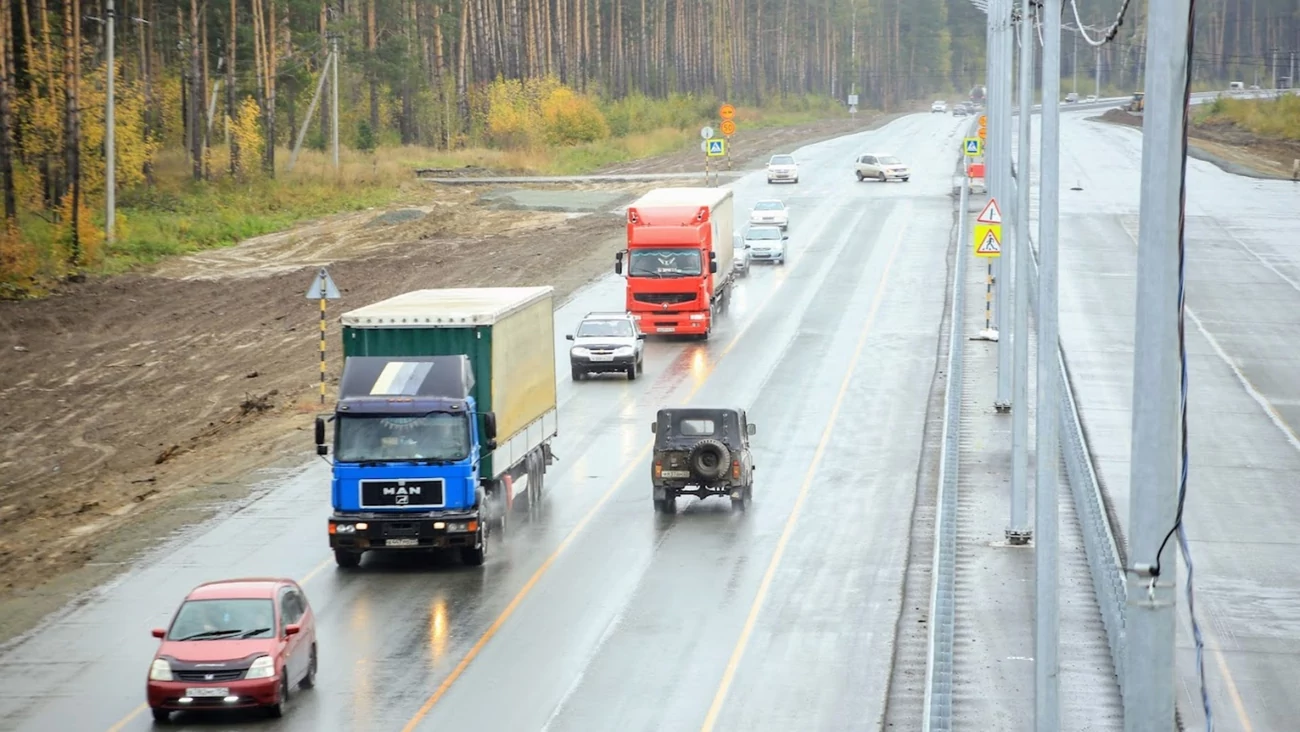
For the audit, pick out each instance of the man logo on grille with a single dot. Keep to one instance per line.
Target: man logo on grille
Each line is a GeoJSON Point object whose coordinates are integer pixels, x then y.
{"type": "Point", "coordinates": [403, 500]}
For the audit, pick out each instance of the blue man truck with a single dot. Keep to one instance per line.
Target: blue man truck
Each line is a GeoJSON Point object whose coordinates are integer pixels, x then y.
{"type": "Point", "coordinates": [444, 420]}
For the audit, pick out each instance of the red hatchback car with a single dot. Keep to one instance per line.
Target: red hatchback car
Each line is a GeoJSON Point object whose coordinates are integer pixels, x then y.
{"type": "Point", "coordinates": [234, 644]}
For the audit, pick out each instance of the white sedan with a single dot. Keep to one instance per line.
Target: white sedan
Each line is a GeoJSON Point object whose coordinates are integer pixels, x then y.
{"type": "Point", "coordinates": [881, 167]}
{"type": "Point", "coordinates": [770, 212]}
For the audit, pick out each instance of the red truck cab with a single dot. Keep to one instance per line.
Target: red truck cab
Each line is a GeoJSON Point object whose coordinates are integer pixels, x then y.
{"type": "Point", "coordinates": [678, 261]}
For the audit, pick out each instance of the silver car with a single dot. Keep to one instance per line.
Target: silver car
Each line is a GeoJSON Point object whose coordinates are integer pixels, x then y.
{"type": "Point", "coordinates": [740, 255]}
{"type": "Point", "coordinates": [607, 343]}
{"type": "Point", "coordinates": [766, 244]}
{"type": "Point", "coordinates": [881, 167]}
{"type": "Point", "coordinates": [770, 212]}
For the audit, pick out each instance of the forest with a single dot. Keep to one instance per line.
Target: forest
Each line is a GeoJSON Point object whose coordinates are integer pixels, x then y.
{"type": "Point", "coordinates": [210, 96]}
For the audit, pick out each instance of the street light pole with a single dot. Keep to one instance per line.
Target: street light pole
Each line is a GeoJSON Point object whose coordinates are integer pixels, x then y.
{"type": "Point", "coordinates": [1047, 665]}
{"type": "Point", "coordinates": [1001, 115]}
{"type": "Point", "coordinates": [1019, 531]}
{"type": "Point", "coordinates": [1149, 702]}
{"type": "Point", "coordinates": [110, 143]}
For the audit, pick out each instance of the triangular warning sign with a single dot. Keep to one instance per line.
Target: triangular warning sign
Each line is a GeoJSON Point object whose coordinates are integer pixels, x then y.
{"type": "Point", "coordinates": [991, 213]}
{"type": "Point", "coordinates": [990, 245]}
{"type": "Point", "coordinates": [323, 287]}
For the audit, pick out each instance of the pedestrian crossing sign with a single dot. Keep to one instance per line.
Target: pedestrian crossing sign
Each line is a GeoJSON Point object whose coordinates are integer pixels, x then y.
{"type": "Point", "coordinates": [717, 148]}
{"type": "Point", "coordinates": [988, 240]}
{"type": "Point", "coordinates": [973, 147]}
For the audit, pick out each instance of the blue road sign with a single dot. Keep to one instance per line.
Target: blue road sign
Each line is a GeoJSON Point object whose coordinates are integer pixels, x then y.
{"type": "Point", "coordinates": [717, 148]}
{"type": "Point", "coordinates": [972, 146]}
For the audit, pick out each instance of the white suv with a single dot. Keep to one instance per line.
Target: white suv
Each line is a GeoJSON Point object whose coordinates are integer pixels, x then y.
{"type": "Point", "coordinates": [881, 167]}
{"type": "Point", "coordinates": [782, 167]}
{"type": "Point", "coordinates": [939, 106]}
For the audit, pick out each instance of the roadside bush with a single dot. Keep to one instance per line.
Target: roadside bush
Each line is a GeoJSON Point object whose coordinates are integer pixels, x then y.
{"type": "Point", "coordinates": [571, 119]}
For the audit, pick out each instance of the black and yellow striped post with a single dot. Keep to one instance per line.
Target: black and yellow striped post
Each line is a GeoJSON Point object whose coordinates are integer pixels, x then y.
{"type": "Point", "coordinates": [322, 288]}
{"type": "Point", "coordinates": [988, 303]}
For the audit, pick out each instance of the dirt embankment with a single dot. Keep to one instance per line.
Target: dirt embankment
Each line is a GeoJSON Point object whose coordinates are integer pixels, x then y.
{"type": "Point", "coordinates": [133, 405]}
{"type": "Point", "coordinates": [1231, 147]}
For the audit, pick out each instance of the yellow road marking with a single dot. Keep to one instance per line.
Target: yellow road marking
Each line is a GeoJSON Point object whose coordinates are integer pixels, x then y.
{"type": "Point", "coordinates": [546, 565]}
{"type": "Point", "coordinates": [743, 641]}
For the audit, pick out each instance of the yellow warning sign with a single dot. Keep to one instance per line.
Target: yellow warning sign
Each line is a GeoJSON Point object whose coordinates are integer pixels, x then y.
{"type": "Point", "coordinates": [988, 240]}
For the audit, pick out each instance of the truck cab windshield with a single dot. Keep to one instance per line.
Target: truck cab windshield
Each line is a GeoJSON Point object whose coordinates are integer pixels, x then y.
{"type": "Point", "coordinates": [438, 436]}
{"type": "Point", "coordinates": [664, 263]}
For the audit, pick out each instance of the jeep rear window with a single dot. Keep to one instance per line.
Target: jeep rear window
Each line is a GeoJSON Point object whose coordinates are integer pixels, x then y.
{"type": "Point", "coordinates": [695, 427]}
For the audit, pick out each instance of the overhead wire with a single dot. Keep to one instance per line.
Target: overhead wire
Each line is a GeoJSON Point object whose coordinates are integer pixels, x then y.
{"type": "Point", "coordinates": [1110, 32]}
{"type": "Point", "coordinates": [1179, 527]}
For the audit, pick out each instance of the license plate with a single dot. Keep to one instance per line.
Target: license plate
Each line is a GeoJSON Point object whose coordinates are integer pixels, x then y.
{"type": "Point", "coordinates": [207, 691]}
{"type": "Point", "coordinates": [676, 473]}
{"type": "Point", "coordinates": [665, 329]}
{"type": "Point", "coordinates": [402, 542]}
{"type": "Point", "coordinates": [602, 358]}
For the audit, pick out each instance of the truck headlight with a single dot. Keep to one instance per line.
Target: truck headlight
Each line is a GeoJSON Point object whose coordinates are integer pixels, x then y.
{"type": "Point", "coordinates": [697, 316]}
{"type": "Point", "coordinates": [345, 529]}
{"type": "Point", "coordinates": [160, 670]}
{"type": "Point", "coordinates": [262, 668]}
{"type": "Point", "coordinates": [623, 351]}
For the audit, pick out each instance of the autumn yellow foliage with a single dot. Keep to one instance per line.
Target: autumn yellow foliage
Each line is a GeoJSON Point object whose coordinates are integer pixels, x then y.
{"type": "Point", "coordinates": [246, 130]}
{"type": "Point", "coordinates": [532, 112]}
{"type": "Point", "coordinates": [19, 262]}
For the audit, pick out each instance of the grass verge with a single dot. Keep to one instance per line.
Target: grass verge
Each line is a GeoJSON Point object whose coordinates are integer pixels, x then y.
{"type": "Point", "coordinates": [1275, 119]}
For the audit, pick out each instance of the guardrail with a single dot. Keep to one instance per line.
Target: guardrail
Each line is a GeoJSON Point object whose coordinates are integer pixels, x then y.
{"type": "Point", "coordinates": [1103, 541]}
{"type": "Point", "coordinates": [937, 709]}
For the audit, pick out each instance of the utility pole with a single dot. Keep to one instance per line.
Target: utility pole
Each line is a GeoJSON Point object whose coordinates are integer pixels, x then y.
{"type": "Point", "coordinates": [334, 97]}
{"type": "Point", "coordinates": [1096, 70]}
{"type": "Point", "coordinates": [1154, 468]}
{"type": "Point", "coordinates": [110, 143]}
{"type": "Point", "coordinates": [1047, 630]}
{"type": "Point", "coordinates": [1019, 531]}
{"type": "Point", "coordinates": [1074, 67]}
{"type": "Point", "coordinates": [1001, 126]}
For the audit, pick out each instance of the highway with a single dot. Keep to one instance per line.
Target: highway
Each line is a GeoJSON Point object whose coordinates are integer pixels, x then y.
{"type": "Point", "coordinates": [1242, 324]}
{"type": "Point", "coordinates": [600, 614]}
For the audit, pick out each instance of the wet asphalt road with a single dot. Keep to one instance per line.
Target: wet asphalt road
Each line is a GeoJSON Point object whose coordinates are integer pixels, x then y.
{"type": "Point", "coordinates": [1242, 327]}
{"type": "Point", "coordinates": [599, 614]}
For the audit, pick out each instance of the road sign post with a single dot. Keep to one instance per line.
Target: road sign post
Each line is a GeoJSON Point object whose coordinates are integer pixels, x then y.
{"type": "Point", "coordinates": [1019, 532]}
{"type": "Point", "coordinates": [987, 242]}
{"type": "Point", "coordinates": [322, 288]}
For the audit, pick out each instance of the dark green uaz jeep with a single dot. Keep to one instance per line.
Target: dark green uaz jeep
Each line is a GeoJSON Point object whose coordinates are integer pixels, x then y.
{"type": "Point", "coordinates": [702, 452]}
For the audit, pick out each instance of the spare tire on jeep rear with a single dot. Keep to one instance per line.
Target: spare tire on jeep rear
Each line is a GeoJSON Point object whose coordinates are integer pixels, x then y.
{"type": "Point", "coordinates": [709, 459]}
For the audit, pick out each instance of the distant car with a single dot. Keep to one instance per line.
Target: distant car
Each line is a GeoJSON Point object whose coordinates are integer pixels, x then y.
{"type": "Point", "coordinates": [881, 167]}
{"type": "Point", "coordinates": [770, 212]}
{"type": "Point", "coordinates": [961, 110]}
{"type": "Point", "coordinates": [702, 452]}
{"type": "Point", "coordinates": [607, 343]}
{"type": "Point", "coordinates": [1090, 98]}
{"type": "Point", "coordinates": [939, 106]}
{"type": "Point", "coordinates": [782, 167]}
{"type": "Point", "coordinates": [740, 256]}
{"type": "Point", "coordinates": [766, 244]}
{"type": "Point", "coordinates": [1071, 98]}
{"type": "Point", "coordinates": [234, 644]}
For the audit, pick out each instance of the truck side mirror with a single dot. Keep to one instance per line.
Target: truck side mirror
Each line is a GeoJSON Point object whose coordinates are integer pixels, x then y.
{"type": "Point", "coordinates": [751, 428]}
{"type": "Point", "coordinates": [490, 425]}
{"type": "Point", "coordinates": [713, 267]}
{"type": "Point", "coordinates": [618, 263]}
{"type": "Point", "coordinates": [321, 448]}
{"type": "Point", "coordinates": [568, 337]}
{"type": "Point", "coordinates": [654, 428]}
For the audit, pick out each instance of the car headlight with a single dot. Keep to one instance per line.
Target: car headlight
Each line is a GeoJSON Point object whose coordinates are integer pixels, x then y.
{"type": "Point", "coordinates": [623, 351]}
{"type": "Point", "coordinates": [262, 668]}
{"type": "Point", "coordinates": [160, 670]}
{"type": "Point", "coordinates": [576, 351]}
